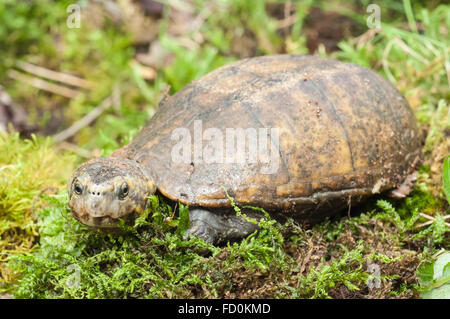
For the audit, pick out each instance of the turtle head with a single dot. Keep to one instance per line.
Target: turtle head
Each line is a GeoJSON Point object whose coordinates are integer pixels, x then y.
{"type": "Point", "coordinates": [106, 189]}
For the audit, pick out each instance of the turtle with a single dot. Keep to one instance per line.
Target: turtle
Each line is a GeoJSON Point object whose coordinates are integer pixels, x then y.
{"type": "Point", "coordinates": [298, 136]}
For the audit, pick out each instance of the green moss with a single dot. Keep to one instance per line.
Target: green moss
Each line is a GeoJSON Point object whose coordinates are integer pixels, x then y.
{"type": "Point", "coordinates": [152, 261]}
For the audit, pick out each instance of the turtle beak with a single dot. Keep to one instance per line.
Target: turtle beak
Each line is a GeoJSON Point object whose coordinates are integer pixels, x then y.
{"type": "Point", "coordinates": [104, 222]}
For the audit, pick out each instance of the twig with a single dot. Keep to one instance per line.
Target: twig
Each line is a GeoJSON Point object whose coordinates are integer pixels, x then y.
{"type": "Point", "coordinates": [447, 65]}
{"type": "Point", "coordinates": [86, 120]}
{"type": "Point", "coordinates": [43, 85]}
{"type": "Point", "coordinates": [56, 76]}
{"type": "Point", "coordinates": [431, 217]}
{"type": "Point", "coordinates": [431, 67]}
{"type": "Point", "coordinates": [305, 260]}
{"type": "Point", "coordinates": [410, 51]}
{"type": "Point", "coordinates": [116, 97]}
{"type": "Point", "coordinates": [147, 72]}
{"type": "Point", "coordinates": [366, 37]}
{"type": "Point", "coordinates": [112, 9]}
{"type": "Point", "coordinates": [349, 203]}
{"type": "Point", "coordinates": [188, 43]}
{"type": "Point", "coordinates": [385, 61]}
{"type": "Point", "coordinates": [165, 96]}
{"type": "Point", "coordinates": [36, 198]}
{"type": "Point", "coordinates": [178, 5]}
{"type": "Point", "coordinates": [431, 220]}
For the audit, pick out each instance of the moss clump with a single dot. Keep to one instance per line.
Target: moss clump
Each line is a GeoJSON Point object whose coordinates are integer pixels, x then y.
{"type": "Point", "coordinates": [151, 261]}
{"type": "Point", "coordinates": [27, 168]}
{"type": "Point", "coordinates": [333, 259]}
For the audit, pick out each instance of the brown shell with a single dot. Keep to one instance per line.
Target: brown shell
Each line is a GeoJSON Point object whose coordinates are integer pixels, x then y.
{"type": "Point", "coordinates": [344, 131]}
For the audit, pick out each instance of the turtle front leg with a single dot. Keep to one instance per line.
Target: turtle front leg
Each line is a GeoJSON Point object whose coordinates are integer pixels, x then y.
{"type": "Point", "coordinates": [216, 228]}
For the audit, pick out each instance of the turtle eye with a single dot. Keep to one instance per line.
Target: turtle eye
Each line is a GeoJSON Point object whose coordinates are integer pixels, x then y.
{"type": "Point", "coordinates": [124, 190]}
{"type": "Point", "coordinates": [77, 188]}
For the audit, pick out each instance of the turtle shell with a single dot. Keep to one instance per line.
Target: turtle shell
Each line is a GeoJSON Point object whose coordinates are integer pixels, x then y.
{"type": "Point", "coordinates": [343, 132]}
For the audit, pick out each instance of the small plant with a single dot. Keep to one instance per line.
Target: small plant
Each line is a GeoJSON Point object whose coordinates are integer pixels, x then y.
{"type": "Point", "coordinates": [435, 273]}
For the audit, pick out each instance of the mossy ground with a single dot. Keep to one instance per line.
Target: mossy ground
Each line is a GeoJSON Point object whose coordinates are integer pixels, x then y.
{"type": "Point", "coordinates": [45, 253]}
